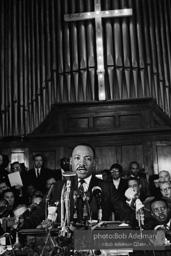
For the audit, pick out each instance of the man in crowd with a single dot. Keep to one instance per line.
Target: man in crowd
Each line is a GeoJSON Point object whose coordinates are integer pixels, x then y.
{"type": "Point", "coordinates": [8, 195]}
{"type": "Point", "coordinates": [83, 164]}
{"type": "Point", "coordinates": [4, 161]}
{"type": "Point", "coordinates": [136, 186]}
{"type": "Point", "coordinates": [106, 175]}
{"type": "Point", "coordinates": [64, 164]}
{"type": "Point", "coordinates": [165, 189]}
{"type": "Point", "coordinates": [134, 169]}
{"type": "Point", "coordinates": [164, 176]}
{"type": "Point", "coordinates": [4, 184]}
{"type": "Point", "coordinates": [37, 176]}
{"type": "Point", "coordinates": [49, 182]}
{"type": "Point", "coordinates": [160, 215]}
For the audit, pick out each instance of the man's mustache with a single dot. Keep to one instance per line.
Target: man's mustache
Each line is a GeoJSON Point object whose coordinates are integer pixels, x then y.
{"type": "Point", "coordinates": [82, 167]}
{"type": "Point", "coordinates": [162, 216]}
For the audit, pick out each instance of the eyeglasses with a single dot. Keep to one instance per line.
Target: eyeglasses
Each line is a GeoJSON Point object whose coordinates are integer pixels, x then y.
{"type": "Point", "coordinates": [133, 186]}
{"type": "Point", "coordinates": [166, 190]}
{"type": "Point", "coordinates": [16, 168]}
{"type": "Point", "coordinates": [114, 171]}
{"type": "Point", "coordinates": [160, 209]}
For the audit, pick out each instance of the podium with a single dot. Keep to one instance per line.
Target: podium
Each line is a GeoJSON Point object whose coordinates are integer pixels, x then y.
{"type": "Point", "coordinates": [107, 226]}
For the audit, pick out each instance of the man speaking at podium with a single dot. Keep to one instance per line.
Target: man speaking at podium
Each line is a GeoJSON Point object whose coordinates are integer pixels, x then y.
{"type": "Point", "coordinates": [83, 164]}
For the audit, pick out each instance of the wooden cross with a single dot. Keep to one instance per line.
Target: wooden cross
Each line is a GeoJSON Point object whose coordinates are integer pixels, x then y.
{"type": "Point", "coordinates": [98, 15]}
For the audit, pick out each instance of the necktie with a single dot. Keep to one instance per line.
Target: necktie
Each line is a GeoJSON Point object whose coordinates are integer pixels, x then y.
{"type": "Point", "coordinates": [81, 187]}
{"type": "Point", "coordinates": [37, 173]}
{"type": "Point", "coordinates": [80, 202]}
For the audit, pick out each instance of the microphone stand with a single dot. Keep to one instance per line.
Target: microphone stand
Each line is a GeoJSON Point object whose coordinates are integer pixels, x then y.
{"type": "Point", "coordinates": [86, 208]}
{"type": "Point", "coordinates": [48, 199]}
{"type": "Point", "coordinates": [48, 233]}
{"type": "Point", "coordinates": [9, 236]}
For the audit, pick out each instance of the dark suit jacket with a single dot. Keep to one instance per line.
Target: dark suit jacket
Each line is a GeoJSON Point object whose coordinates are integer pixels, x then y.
{"type": "Point", "coordinates": [111, 200]}
{"type": "Point", "coordinates": [38, 182]}
{"type": "Point", "coordinates": [57, 174]}
{"type": "Point", "coordinates": [123, 185]}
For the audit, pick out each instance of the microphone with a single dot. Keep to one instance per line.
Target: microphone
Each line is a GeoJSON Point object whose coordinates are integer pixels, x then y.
{"type": "Point", "coordinates": [49, 192]}
{"type": "Point", "coordinates": [47, 199]}
{"type": "Point", "coordinates": [3, 210]}
{"type": "Point", "coordinates": [67, 201]}
{"type": "Point", "coordinates": [75, 214]}
{"type": "Point", "coordinates": [97, 192]}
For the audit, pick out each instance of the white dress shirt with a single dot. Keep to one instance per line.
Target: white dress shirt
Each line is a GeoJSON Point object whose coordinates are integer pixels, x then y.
{"type": "Point", "coordinates": [116, 183]}
{"type": "Point", "coordinates": [86, 183]}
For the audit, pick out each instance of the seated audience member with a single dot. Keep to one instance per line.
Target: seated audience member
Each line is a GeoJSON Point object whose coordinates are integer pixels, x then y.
{"type": "Point", "coordinates": [106, 175]}
{"type": "Point", "coordinates": [3, 165]}
{"type": "Point", "coordinates": [134, 183]}
{"type": "Point", "coordinates": [8, 195]}
{"type": "Point", "coordinates": [134, 169]}
{"type": "Point", "coordinates": [125, 174]}
{"type": "Point", "coordinates": [37, 199]}
{"type": "Point", "coordinates": [120, 184]}
{"type": "Point", "coordinates": [20, 190]}
{"type": "Point", "coordinates": [5, 213]}
{"type": "Point", "coordinates": [18, 212]}
{"type": "Point", "coordinates": [3, 185]}
{"type": "Point", "coordinates": [4, 208]}
{"type": "Point", "coordinates": [154, 185]}
{"type": "Point", "coordinates": [17, 167]}
{"type": "Point", "coordinates": [164, 176]}
{"type": "Point", "coordinates": [83, 164]}
{"type": "Point", "coordinates": [160, 215]}
{"type": "Point", "coordinates": [49, 182]}
{"type": "Point", "coordinates": [30, 190]}
{"type": "Point", "coordinates": [165, 189]}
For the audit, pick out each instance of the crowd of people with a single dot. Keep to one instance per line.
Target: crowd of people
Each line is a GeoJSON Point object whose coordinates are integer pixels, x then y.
{"type": "Point", "coordinates": [22, 189]}
{"type": "Point", "coordinates": [108, 194]}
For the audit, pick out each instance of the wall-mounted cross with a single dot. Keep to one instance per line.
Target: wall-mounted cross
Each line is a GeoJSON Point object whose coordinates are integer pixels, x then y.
{"type": "Point", "coordinates": [98, 15]}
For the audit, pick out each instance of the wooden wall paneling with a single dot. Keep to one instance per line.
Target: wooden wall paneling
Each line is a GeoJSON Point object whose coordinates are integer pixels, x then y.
{"type": "Point", "coordinates": [162, 153]}
{"type": "Point", "coordinates": [62, 151]}
{"type": "Point", "coordinates": [105, 157]}
{"type": "Point", "coordinates": [148, 158]}
{"type": "Point", "coordinates": [132, 153]}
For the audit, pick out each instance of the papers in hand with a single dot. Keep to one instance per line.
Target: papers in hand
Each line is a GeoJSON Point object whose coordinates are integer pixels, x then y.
{"type": "Point", "coordinates": [130, 193]}
{"type": "Point", "coordinates": [138, 205]}
{"type": "Point", "coordinates": [15, 179]}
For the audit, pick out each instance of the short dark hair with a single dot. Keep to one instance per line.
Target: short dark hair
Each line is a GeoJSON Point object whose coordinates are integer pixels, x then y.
{"type": "Point", "coordinates": [7, 191]}
{"type": "Point", "coordinates": [5, 180]}
{"type": "Point", "coordinates": [107, 172]}
{"type": "Point", "coordinates": [134, 178]}
{"type": "Point", "coordinates": [86, 145]}
{"type": "Point", "coordinates": [64, 159]}
{"type": "Point", "coordinates": [156, 199]}
{"type": "Point", "coordinates": [16, 162]}
{"type": "Point", "coordinates": [134, 162]}
{"type": "Point", "coordinates": [37, 155]}
{"type": "Point", "coordinates": [117, 166]}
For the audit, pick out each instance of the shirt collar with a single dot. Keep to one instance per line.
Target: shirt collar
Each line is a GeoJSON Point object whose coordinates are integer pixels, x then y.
{"type": "Point", "coordinates": [168, 224]}
{"type": "Point", "coordinates": [87, 180]}
{"type": "Point", "coordinates": [116, 181]}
